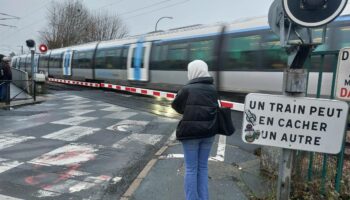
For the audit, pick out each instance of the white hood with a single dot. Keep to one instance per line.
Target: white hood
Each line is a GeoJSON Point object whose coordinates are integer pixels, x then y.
{"type": "Point", "coordinates": [197, 69]}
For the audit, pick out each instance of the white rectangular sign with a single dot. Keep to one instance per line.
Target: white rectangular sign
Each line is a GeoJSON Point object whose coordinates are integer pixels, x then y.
{"type": "Point", "coordinates": [294, 123]}
{"type": "Point", "coordinates": [343, 75]}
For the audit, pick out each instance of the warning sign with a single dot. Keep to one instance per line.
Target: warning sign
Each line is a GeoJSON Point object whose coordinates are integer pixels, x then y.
{"type": "Point", "coordinates": [343, 75]}
{"type": "Point", "coordinates": [294, 123]}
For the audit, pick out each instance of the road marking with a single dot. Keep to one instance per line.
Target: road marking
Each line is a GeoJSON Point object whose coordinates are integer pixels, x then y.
{"type": "Point", "coordinates": [72, 133]}
{"type": "Point", "coordinates": [88, 183]}
{"type": "Point", "coordinates": [77, 102]}
{"type": "Point", "coordinates": [220, 153]}
{"type": "Point", "coordinates": [45, 193]}
{"type": "Point", "coordinates": [121, 115]}
{"type": "Point", "coordinates": [4, 197]}
{"type": "Point", "coordinates": [114, 109]}
{"type": "Point", "coordinates": [125, 124]}
{"type": "Point", "coordinates": [169, 156]}
{"type": "Point", "coordinates": [79, 112]}
{"type": "Point", "coordinates": [147, 139]}
{"type": "Point", "coordinates": [27, 118]}
{"type": "Point", "coordinates": [72, 107]}
{"type": "Point", "coordinates": [9, 139]}
{"type": "Point", "coordinates": [74, 121]}
{"type": "Point", "coordinates": [67, 155]}
{"type": "Point", "coordinates": [6, 164]}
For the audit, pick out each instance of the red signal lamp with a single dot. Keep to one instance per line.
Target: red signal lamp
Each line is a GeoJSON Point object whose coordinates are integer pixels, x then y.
{"type": "Point", "coordinates": [43, 48]}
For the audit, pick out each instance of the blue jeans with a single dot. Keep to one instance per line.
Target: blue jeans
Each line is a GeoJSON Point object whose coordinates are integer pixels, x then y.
{"type": "Point", "coordinates": [196, 153]}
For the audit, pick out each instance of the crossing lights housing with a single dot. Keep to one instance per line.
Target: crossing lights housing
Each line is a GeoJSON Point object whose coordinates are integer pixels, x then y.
{"type": "Point", "coordinates": [30, 43]}
{"type": "Point", "coordinates": [313, 13]}
{"type": "Point", "coordinates": [294, 20]}
{"type": "Point", "coordinates": [43, 48]}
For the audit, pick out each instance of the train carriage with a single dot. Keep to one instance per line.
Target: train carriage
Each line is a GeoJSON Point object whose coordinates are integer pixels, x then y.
{"type": "Point", "coordinates": [251, 58]}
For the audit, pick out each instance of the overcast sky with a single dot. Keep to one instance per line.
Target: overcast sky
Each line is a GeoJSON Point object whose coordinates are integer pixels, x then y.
{"type": "Point", "coordinates": [139, 15]}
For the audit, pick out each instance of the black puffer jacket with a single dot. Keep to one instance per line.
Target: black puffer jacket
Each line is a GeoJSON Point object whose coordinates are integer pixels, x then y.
{"type": "Point", "coordinates": [198, 102]}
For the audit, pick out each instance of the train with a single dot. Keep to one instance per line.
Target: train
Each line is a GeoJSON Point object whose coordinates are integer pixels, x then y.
{"type": "Point", "coordinates": [251, 59]}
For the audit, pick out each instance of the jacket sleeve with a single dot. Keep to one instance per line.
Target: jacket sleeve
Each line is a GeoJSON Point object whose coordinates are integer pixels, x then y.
{"type": "Point", "coordinates": [180, 100]}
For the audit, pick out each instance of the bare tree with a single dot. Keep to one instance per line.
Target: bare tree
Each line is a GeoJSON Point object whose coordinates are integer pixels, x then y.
{"type": "Point", "coordinates": [71, 23]}
{"type": "Point", "coordinates": [104, 26]}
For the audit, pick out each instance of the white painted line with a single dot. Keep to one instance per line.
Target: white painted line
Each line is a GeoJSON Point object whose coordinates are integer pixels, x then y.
{"type": "Point", "coordinates": [4, 197]}
{"type": "Point", "coordinates": [120, 115]}
{"type": "Point", "coordinates": [169, 156]}
{"type": "Point", "coordinates": [89, 182]}
{"type": "Point", "coordinates": [72, 107]}
{"type": "Point", "coordinates": [74, 121]}
{"type": "Point", "coordinates": [123, 125]}
{"type": "Point", "coordinates": [116, 180]}
{"type": "Point", "coordinates": [146, 139]}
{"type": "Point", "coordinates": [9, 139]}
{"type": "Point", "coordinates": [77, 102]}
{"type": "Point", "coordinates": [7, 165]}
{"type": "Point", "coordinates": [79, 112]}
{"type": "Point", "coordinates": [71, 186]}
{"type": "Point", "coordinates": [27, 118]}
{"type": "Point", "coordinates": [67, 155]}
{"type": "Point", "coordinates": [45, 193]}
{"type": "Point", "coordinates": [114, 109]}
{"type": "Point", "coordinates": [49, 104]}
{"type": "Point", "coordinates": [72, 133]}
{"type": "Point", "coordinates": [220, 154]}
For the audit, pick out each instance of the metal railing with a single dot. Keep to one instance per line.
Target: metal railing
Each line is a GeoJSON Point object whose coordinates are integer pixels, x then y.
{"type": "Point", "coordinates": [20, 79]}
{"type": "Point", "coordinates": [324, 172]}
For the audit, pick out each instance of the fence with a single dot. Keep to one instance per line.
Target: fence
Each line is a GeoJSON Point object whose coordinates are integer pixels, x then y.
{"type": "Point", "coordinates": [323, 172]}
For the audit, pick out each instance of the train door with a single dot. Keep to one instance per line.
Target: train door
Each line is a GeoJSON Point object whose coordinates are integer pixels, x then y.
{"type": "Point", "coordinates": [67, 63]}
{"type": "Point", "coordinates": [138, 61]}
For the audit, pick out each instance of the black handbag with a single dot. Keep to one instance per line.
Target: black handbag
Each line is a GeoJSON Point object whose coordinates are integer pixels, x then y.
{"type": "Point", "coordinates": [225, 126]}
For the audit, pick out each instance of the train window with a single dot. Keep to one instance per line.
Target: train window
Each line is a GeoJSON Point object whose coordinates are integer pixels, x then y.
{"type": "Point", "coordinates": [177, 58]}
{"type": "Point", "coordinates": [124, 57]}
{"type": "Point", "coordinates": [342, 38]}
{"type": "Point", "coordinates": [43, 62]}
{"type": "Point", "coordinates": [54, 61]}
{"type": "Point", "coordinates": [100, 59]}
{"type": "Point", "coordinates": [22, 63]}
{"type": "Point", "coordinates": [272, 56]}
{"type": "Point", "coordinates": [242, 53]}
{"type": "Point", "coordinates": [28, 63]}
{"type": "Point", "coordinates": [158, 56]}
{"type": "Point", "coordinates": [84, 59]}
{"type": "Point", "coordinates": [109, 58]}
{"type": "Point", "coordinates": [202, 50]}
{"type": "Point", "coordinates": [113, 58]}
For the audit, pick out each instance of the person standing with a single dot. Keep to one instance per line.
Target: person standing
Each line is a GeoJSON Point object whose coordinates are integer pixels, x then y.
{"type": "Point", "coordinates": [197, 101]}
{"type": "Point", "coordinates": [2, 78]}
{"type": "Point", "coordinates": [7, 78]}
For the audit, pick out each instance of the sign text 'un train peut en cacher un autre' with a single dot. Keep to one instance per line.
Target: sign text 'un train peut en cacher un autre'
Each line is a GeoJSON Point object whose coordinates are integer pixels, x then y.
{"type": "Point", "coordinates": [294, 122]}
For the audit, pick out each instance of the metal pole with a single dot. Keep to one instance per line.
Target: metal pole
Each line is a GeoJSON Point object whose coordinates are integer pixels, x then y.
{"type": "Point", "coordinates": [294, 85]}
{"type": "Point", "coordinates": [155, 29]}
{"type": "Point", "coordinates": [32, 51]}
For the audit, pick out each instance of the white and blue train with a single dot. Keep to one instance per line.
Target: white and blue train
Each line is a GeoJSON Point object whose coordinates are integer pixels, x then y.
{"type": "Point", "coordinates": [251, 58]}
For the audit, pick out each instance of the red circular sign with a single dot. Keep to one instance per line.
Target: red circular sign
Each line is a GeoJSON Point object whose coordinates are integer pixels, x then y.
{"type": "Point", "coordinates": [42, 48]}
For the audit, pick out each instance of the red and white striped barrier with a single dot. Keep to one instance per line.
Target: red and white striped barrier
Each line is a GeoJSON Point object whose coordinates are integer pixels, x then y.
{"type": "Point", "coordinates": [142, 91]}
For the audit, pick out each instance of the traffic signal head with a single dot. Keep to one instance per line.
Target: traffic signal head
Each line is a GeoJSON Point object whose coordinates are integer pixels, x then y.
{"type": "Point", "coordinates": [313, 13]}
{"type": "Point", "coordinates": [43, 48]}
{"type": "Point", "coordinates": [30, 43]}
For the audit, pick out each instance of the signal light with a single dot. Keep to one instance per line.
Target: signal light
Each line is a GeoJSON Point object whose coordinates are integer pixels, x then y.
{"type": "Point", "coordinates": [43, 48]}
{"type": "Point", "coordinates": [30, 43]}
